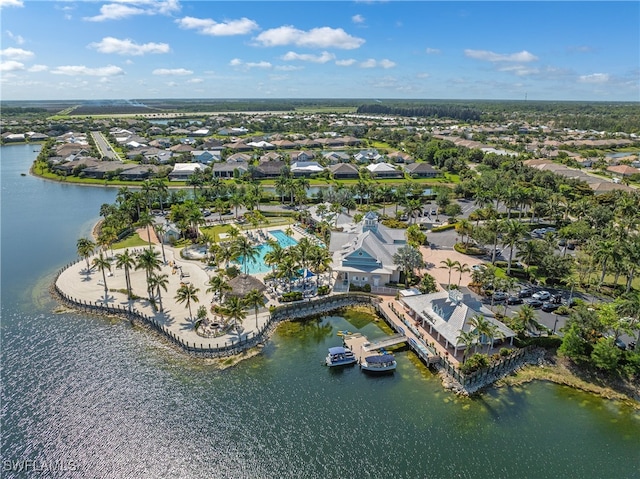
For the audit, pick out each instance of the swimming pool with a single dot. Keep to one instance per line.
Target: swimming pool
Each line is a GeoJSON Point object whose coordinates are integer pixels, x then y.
{"type": "Point", "coordinates": [258, 266]}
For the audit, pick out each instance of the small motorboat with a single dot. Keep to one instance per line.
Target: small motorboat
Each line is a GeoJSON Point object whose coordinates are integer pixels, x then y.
{"type": "Point", "coordinates": [340, 356]}
{"type": "Point", "coordinates": [379, 363]}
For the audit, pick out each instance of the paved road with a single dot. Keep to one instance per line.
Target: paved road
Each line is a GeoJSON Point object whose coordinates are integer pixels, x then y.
{"type": "Point", "coordinates": [103, 145]}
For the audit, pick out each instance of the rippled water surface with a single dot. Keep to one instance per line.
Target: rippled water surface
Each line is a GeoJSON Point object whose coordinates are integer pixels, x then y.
{"type": "Point", "coordinates": [113, 401]}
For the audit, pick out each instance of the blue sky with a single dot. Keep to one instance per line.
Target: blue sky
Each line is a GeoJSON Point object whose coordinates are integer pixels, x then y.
{"type": "Point", "coordinates": [303, 49]}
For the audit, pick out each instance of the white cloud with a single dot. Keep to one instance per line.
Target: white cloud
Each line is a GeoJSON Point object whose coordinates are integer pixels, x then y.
{"type": "Point", "coordinates": [323, 37]}
{"type": "Point", "coordinates": [11, 3]}
{"type": "Point", "coordinates": [127, 8]}
{"type": "Point", "coordinates": [519, 70]}
{"type": "Point", "coordinates": [485, 55]}
{"type": "Point", "coordinates": [423, 75]}
{"type": "Point", "coordinates": [195, 80]}
{"type": "Point", "coordinates": [385, 63]}
{"type": "Point", "coordinates": [345, 63]}
{"type": "Point", "coordinates": [110, 70]}
{"type": "Point", "coordinates": [16, 38]}
{"type": "Point", "coordinates": [237, 63]}
{"type": "Point", "coordinates": [38, 68]}
{"type": "Point", "coordinates": [357, 19]}
{"type": "Point", "coordinates": [594, 78]}
{"type": "Point", "coordinates": [433, 51]}
{"type": "Point", "coordinates": [128, 47]}
{"type": "Point", "coordinates": [172, 71]}
{"type": "Point", "coordinates": [288, 68]}
{"type": "Point", "coordinates": [207, 26]}
{"type": "Point", "coordinates": [371, 63]}
{"type": "Point", "coordinates": [16, 53]}
{"type": "Point", "coordinates": [324, 57]}
{"type": "Point", "coordinates": [11, 66]}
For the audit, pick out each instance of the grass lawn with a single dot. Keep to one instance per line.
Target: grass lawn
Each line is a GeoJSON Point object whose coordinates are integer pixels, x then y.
{"type": "Point", "coordinates": [131, 241]}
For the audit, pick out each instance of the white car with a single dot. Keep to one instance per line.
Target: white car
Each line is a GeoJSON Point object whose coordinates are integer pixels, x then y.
{"type": "Point", "coordinates": [542, 295]}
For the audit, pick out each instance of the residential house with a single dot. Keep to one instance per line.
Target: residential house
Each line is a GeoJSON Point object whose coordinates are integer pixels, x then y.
{"type": "Point", "coordinates": [306, 168]}
{"type": "Point", "coordinates": [364, 253]}
{"type": "Point", "coordinates": [139, 172]}
{"type": "Point", "coordinates": [384, 170]}
{"type": "Point", "coordinates": [421, 170]}
{"type": "Point", "coordinates": [230, 169]}
{"type": "Point", "coordinates": [206, 157]}
{"type": "Point", "coordinates": [400, 157]}
{"type": "Point", "coordinates": [623, 171]}
{"type": "Point", "coordinates": [368, 156]}
{"type": "Point", "coordinates": [269, 169]}
{"type": "Point", "coordinates": [182, 171]}
{"type": "Point", "coordinates": [297, 156]}
{"type": "Point", "coordinates": [334, 157]}
{"type": "Point", "coordinates": [344, 171]}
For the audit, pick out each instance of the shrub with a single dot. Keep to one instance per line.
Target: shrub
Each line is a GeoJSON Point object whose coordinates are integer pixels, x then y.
{"type": "Point", "coordinates": [292, 296]}
{"type": "Point", "coordinates": [354, 287]}
{"type": "Point", "coordinates": [547, 342]}
{"type": "Point", "coordinates": [323, 290]}
{"type": "Point", "coordinates": [506, 351]}
{"type": "Point", "coordinates": [443, 228]}
{"type": "Point", "coordinates": [474, 363]}
{"type": "Point", "coordinates": [563, 310]}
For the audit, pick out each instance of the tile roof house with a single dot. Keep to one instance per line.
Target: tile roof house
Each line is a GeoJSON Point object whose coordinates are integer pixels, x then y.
{"type": "Point", "coordinates": [448, 313]}
{"type": "Point", "coordinates": [364, 253]}
{"type": "Point", "coordinates": [269, 169]}
{"type": "Point", "coordinates": [306, 168]}
{"type": "Point", "coordinates": [368, 156]}
{"type": "Point", "coordinates": [623, 170]}
{"type": "Point", "coordinates": [421, 170]}
{"type": "Point", "coordinates": [182, 171]}
{"type": "Point", "coordinates": [384, 170]}
{"type": "Point", "coordinates": [336, 157]}
{"type": "Point", "coordinates": [344, 171]}
{"type": "Point", "coordinates": [206, 157]}
{"type": "Point", "coordinates": [229, 169]}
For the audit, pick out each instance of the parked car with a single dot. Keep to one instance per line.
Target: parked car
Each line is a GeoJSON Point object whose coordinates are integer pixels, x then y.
{"type": "Point", "coordinates": [479, 267]}
{"type": "Point", "coordinates": [556, 298]}
{"type": "Point", "coordinates": [534, 303]}
{"type": "Point", "coordinates": [571, 246]}
{"type": "Point", "coordinates": [514, 300]}
{"type": "Point", "coordinates": [620, 344]}
{"type": "Point", "coordinates": [632, 345]}
{"type": "Point", "coordinates": [541, 295]}
{"type": "Point", "coordinates": [525, 293]}
{"type": "Point", "coordinates": [500, 296]}
{"type": "Point", "coordinates": [549, 307]}
{"type": "Point", "coordinates": [562, 242]}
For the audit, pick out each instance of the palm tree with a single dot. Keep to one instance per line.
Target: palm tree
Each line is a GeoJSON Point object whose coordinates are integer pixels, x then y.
{"type": "Point", "coordinates": [320, 261]}
{"type": "Point", "coordinates": [513, 233]}
{"type": "Point", "coordinates": [85, 248]}
{"type": "Point", "coordinates": [102, 263]}
{"type": "Point", "coordinates": [146, 220]}
{"type": "Point", "coordinates": [288, 268]}
{"type": "Point", "coordinates": [274, 257]}
{"type": "Point", "coordinates": [409, 259]}
{"type": "Point", "coordinates": [158, 282]}
{"type": "Point", "coordinates": [149, 261]}
{"type": "Point", "coordinates": [493, 332]}
{"type": "Point", "coordinates": [481, 327]}
{"type": "Point", "coordinates": [242, 248]}
{"type": "Point", "coordinates": [463, 228]}
{"type": "Point", "coordinates": [450, 265]}
{"type": "Point", "coordinates": [187, 293]}
{"type": "Point", "coordinates": [218, 285]}
{"type": "Point", "coordinates": [526, 318]}
{"type": "Point", "coordinates": [467, 338]}
{"type": "Point", "coordinates": [107, 237]}
{"type": "Point", "coordinates": [160, 231]}
{"type": "Point", "coordinates": [461, 268]}
{"type": "Point", "coordinates": [254, 299]}
{"type": "Point", "coordinates": [161, 191]}
{"type": "Point", "coordinates": [126, 261]}
{"type": "Point", "coordinates": [604, 250]}
{"type": "Point", "coordinates": [233, 309]}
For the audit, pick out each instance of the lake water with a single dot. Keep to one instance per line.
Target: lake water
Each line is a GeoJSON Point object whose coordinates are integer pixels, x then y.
{"type": "Point", "coordinates": [103, 399]}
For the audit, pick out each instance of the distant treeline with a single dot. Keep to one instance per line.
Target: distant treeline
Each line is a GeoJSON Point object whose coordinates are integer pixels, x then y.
{"type": "Point", "coordinates": [456, 112]}
{"type": "Point", "coordinates": [18, 111]}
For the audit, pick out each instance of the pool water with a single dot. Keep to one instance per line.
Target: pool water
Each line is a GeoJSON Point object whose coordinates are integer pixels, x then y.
{"type": "Point", "coordinates": [258, 265]}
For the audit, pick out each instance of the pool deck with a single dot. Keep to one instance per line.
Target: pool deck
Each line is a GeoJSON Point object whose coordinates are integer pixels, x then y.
{"type": "Point", "coordinates": [80, 284]}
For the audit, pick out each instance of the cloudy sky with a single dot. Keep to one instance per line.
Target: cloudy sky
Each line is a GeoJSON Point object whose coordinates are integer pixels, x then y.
{"type": "Point", "coordinates": [136, 49]}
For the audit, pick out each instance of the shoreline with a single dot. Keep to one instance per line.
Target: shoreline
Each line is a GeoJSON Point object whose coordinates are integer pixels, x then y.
{"type": "Point", "coordinates": [557, 370]}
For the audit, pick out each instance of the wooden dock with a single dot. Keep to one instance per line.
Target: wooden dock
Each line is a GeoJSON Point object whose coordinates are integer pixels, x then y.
{"type": "Point", "coordinates": [362, 347]}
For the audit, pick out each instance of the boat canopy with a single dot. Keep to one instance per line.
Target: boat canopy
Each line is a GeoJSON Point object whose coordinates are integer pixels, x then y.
{"type": "Point", "coordinates": [379, 359]}
{"type": "Point", "coordinates": [337, 350]}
